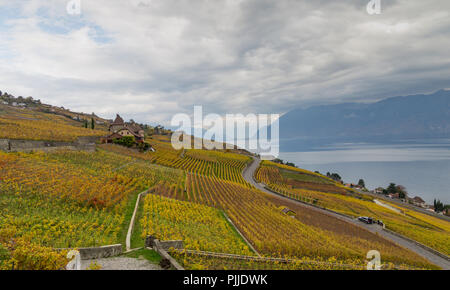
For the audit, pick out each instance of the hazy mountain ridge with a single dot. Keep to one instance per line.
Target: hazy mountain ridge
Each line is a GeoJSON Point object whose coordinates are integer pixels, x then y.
{"type": "Point", "coordinates": [406, 117]}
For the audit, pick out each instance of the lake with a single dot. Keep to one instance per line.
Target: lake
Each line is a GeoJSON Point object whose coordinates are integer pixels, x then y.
{"type": "Point", "coordinates": [422, 167]}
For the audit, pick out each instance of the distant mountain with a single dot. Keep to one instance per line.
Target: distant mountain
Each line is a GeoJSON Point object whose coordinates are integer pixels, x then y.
{"type": "Point", "coordinates": [392, 119]}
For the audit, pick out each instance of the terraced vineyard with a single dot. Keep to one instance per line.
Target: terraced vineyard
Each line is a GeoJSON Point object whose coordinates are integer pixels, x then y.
{"type": "Point", "coordinates": [79, 199]}
{"type": "Point", "coordinates": [198, 262]}
{"type": "Point", "coordinates": [226, 166]}
{"type": "Point", "coordinates": [72, 199]}
{"type": "Point", "coordinates": [426, 229]}
{"type": "Point", "coordinates": [199, 227]}
{"type": "Point", "coordinates": [30, 125]}
{"type": "Point", "coordinates": [276, 234]}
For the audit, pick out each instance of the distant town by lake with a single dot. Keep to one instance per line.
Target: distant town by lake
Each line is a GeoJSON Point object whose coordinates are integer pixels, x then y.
{"type": "Point", "coordinates": [422, 166]}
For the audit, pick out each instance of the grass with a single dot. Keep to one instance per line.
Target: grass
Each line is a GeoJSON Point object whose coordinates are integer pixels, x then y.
{"type": "Point", "coordinates": [149, 255]}
{"type": "Point", "coordinates": [303, 177]}
{"type": "Point", "coordinates": [128, 214]}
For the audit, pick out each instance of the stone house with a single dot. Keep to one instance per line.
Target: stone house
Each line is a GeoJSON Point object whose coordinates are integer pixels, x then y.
{"type": "Point", "coordinates": [119, 129]}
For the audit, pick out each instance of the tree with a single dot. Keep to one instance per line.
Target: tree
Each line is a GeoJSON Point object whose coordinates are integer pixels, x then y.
{"type": "Point", "coordinates": [335, 176]}
{"type": "Point", "coordinates": [362, 183]}
{"type": "Point", "coordinates": [92, 123]}
{"type": "Point", "coordinates": [438, 206]}
{"type": "Point", "coordinates": [392, 188]}
{"type": "Point", "coordinates": [85, 124]}
{"type": "Point", "coordinates": [401, 190]}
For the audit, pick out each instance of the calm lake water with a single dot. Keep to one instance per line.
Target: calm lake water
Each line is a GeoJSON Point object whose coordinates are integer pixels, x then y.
{"type": "Point", "coordinates": [423, 168]}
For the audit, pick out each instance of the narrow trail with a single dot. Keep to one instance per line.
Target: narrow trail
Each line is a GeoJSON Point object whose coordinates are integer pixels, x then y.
{"type": "Point", "coordinates": [434, 258]}
{"type": "Point", "coordinates": [133, 220]}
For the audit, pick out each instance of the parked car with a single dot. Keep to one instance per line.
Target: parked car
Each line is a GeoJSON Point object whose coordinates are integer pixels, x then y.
{"type": "Point", "coordinates": [366, 220]}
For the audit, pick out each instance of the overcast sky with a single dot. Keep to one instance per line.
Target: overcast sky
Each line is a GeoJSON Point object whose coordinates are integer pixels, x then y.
{"type": "Point", "coordinates": [150, 59]}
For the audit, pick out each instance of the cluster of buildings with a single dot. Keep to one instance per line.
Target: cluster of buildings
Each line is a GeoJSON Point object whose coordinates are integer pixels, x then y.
{"type": "Point", "coordinates": [416, 201]}
{"type": "Point", "coordinates": [119, 129]}
{"type": "Point", "coordinates": [354, 186]}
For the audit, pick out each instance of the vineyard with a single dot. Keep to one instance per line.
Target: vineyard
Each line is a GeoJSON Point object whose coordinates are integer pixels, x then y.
{"type": "Point", "coordinates": [199, 227]}
{"type": "Point", "coordinates": [201, 262]}
{"type": "Point", "coordinates": [72, 199]}
{"type": "Point", "coordinates": [226, 166]}
{"type": "Point", "coordinates": [30, 125]}
{"type": "Point", "coordinates": [426, 229]}
{"type": "Point", "coordinates": [279, 178]}
{"type": "Point", "coordinates": [78, 199]}
{"type": "Point", "coordinates": [276, 234]}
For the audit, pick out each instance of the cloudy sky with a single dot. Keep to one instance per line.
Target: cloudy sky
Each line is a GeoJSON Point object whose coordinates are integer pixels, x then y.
{"type": "Point", "coordinates": [150, 59]}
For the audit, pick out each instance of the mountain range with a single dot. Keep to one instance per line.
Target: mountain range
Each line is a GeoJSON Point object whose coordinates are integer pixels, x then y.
{"type": "Point", "coordinates": [390, 120]}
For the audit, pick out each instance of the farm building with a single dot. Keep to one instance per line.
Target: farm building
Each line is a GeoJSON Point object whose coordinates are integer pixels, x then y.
{"type": "Point", "coordinates": [119, 129]}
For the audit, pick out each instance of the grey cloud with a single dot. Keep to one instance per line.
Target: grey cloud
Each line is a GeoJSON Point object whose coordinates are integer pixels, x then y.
{"type": "Point", "coordinates": [262, 56]}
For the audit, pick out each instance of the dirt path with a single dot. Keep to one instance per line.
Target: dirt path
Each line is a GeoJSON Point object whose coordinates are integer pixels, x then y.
{"type": "Point", "coordinates": [249, 172]}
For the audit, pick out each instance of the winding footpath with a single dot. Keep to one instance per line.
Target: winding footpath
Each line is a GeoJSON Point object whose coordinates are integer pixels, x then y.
{"type": "Point", "coordinates": [434, 258]}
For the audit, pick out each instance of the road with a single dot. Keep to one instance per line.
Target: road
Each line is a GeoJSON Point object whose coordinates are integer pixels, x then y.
{"type": "Point", "coordinates": [430, 256]}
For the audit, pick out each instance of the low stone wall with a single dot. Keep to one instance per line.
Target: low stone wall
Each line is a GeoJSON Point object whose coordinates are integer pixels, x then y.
{"type": "Point", "coordinates": [160, 249]}
{"type": "Point", "coordinates": [99, 252]}
{"type": "Point", "coordinates": [81, 144]}
{"type": "Point", "coordinates": [166, 245]}
{"type": "Point", "coordinates": [4, 145]}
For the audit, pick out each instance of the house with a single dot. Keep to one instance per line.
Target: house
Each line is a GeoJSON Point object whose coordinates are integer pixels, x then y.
{"type": "Point", "coordinates": [378, 190]}
{"type": "Point", "coordinates": [418, 201]}
{"type": "Point", "coordinates": [394, 195]}
{"type": "Point", "coordinates": [119, 129]}
{"type": "Point", "coordinates": [351, 185]}
{"type": "Point", "coordinates": [288, 211]}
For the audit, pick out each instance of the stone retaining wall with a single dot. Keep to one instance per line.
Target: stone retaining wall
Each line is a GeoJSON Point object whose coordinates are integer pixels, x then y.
{"type": "Point", "coordinates": [99, 252]}
{"type": "Point", "coordinates": [81, 144]}
{"type": "Point", "coordinates": [166, 245]}
{"type": "Point", "coordinates": [4, 145]}
{"type": "Point", "coordinates": [160, 249]}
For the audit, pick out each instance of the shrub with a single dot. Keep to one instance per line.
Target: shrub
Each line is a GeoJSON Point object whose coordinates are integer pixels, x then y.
{"type": "Point", "coordinates": [126, 141]}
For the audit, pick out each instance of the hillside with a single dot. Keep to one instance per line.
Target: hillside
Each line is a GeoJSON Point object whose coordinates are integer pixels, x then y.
{"type": "Point", "coordinates": [29, 119]}
{"type": "Point", "coordinates": [313, 188]}
{"type": "Point", "coordinates": [67, 199]}
{"type": "Point", "coordinates": [406, 117]}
